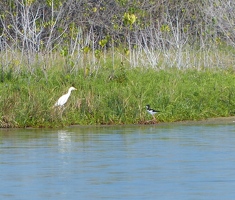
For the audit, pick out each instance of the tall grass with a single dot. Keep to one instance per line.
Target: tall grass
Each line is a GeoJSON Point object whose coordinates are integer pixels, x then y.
{"type": "Point", "coordinates": [113, 94]}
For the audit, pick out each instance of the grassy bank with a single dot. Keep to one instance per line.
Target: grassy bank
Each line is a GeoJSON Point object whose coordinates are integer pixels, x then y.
{"type": "Point", "coordinates": [115, 96]}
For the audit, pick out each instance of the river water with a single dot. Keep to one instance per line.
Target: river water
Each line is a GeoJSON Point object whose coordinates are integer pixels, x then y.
{"type": "Point", "coordinates": [169, 161]}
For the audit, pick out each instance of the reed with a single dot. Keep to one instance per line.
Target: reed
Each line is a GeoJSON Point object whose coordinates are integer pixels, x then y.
{"type": "Point", "coordinates": [115, 96]}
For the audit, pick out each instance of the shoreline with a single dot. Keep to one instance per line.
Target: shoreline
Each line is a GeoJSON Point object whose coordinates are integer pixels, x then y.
{"type": "Point", "coordinates": [209, 121]}
{"type": "Point", "coordinates": [212, 121]}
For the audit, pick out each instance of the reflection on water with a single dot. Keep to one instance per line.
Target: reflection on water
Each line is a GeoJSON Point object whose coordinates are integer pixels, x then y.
{"type": "Point", "coordinates": [64, 140]}
{"type": "Point", "coordinates": [120, 162]}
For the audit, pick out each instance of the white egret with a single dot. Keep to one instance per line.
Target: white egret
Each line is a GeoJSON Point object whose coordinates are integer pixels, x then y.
{"type": "Point", "coordinates": [151, 111]}
{"type": "Point", "coordinates": [64, 98]}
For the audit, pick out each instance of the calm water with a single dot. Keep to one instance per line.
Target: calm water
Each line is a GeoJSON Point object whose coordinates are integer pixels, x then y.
{"type": "Point", "coordinates": [131, 162]}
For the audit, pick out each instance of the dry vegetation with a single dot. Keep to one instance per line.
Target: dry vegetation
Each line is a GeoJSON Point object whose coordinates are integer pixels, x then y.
{"type": "Point", "coordinates": [148, 33]}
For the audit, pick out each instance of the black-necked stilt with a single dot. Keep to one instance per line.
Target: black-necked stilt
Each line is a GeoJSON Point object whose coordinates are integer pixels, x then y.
{"type": "Point", "coordinates": [151, 111]}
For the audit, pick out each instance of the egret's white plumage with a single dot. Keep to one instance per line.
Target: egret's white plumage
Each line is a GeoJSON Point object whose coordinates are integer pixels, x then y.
{"type": "Point", "coordinates": [63, 99]}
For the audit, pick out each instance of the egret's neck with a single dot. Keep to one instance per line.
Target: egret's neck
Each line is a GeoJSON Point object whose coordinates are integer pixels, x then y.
{"type": "Point", "coordinates": [69, 92]}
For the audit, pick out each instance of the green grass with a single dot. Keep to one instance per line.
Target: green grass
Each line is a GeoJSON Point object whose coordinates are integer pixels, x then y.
{"type": "Point", "coordinates": [115, 97]}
